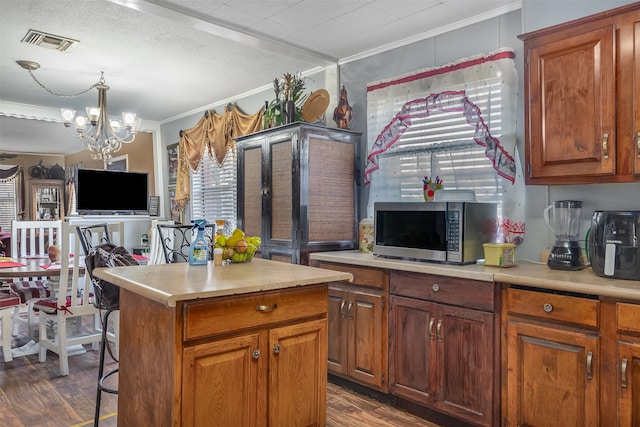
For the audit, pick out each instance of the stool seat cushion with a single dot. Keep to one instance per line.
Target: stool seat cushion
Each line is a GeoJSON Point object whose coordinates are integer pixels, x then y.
{"type": "Point", "coordinates": [28, 289]}
{"type": "Point", "coordinates": [7, 300]}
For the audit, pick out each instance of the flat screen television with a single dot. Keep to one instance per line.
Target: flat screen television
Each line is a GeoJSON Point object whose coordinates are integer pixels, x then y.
{"type": "Point", "coordinates": [104, 192]}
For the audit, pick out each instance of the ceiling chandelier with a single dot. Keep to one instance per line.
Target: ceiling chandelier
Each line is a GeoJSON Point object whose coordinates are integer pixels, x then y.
{"type": "Point", "coordinates": [101, 135]}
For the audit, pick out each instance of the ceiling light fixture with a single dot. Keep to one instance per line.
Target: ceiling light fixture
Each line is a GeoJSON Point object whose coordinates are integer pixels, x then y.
{"type": "Point", "coordinates": [101, 136]}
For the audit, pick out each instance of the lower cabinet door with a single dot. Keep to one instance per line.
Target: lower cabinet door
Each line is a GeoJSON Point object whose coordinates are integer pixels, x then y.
{"type": "Point", "coordinates": [628, 384]}
{"type": "Point", "coordinates": [224, 382]}
{"type": "Point", "coordinates": [298, 375]}
{"type": "Point", "coordinates": [465, 363]}
{"type": "Point", "coordinates": [412, 335]}
{"type": "Point", "coordinates": [365, 349]}
{"type": "Point", "coordinates": [338, 338]}
{"type": "Point", "coordinates": [552, 376]}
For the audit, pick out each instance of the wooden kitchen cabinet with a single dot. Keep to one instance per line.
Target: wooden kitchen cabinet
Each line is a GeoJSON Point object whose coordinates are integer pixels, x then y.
{"type": "Point", "coordinates": [582, 124]}
{"type": "Point", "coordinates": [47, 199]}
{"type": "Point", "coordinates": [257, 359]}
{"type": "Point", "coordinates": [627, 364]}
{"type": "Point", "coordinates": [296, 189]}
{"type": "Point", "coordinates": [552, 360]}
{"type": "Point", "coordinates": [443, 346]}
{"type": "Point", "coordinates": [358, 326]}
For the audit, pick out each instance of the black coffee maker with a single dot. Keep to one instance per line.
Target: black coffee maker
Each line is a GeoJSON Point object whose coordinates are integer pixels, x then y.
{"type": "Point", "coordinates": [614, 244]}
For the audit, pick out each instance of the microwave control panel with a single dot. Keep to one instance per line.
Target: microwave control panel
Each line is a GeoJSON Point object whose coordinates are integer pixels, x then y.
{"type": "Point", "coordinates": [454, 252]}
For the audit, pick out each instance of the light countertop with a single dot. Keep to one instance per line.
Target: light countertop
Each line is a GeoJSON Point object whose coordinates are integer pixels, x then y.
{"type": "Point", "coordinates": [169, 283]}
{"type": "Point", "coordinates": [584, 281]}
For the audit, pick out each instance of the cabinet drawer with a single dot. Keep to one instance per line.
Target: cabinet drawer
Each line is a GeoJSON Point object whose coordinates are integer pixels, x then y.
{"type": "Point", "coordinates": [371, 277]}
{"type": "Point", "coordinates": [235, 313]}
{"type": "Point", "coordinates": [562, 308]}
{"type": "Point", "coordinates": [448, 290]}
{"type": "Point", "coordinates": [628, 317]}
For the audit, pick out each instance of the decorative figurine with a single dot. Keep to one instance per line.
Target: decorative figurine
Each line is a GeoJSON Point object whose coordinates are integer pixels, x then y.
{"type": "Point", "coordinates": [343, 112]}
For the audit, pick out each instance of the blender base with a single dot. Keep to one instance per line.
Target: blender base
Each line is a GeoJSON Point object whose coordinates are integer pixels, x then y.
{"type": "Point", "coordinates": [565, 255]}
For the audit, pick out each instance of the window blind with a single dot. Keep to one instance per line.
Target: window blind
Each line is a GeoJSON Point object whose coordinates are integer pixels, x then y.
{"type": "Point", "coordinates": [441, 144]}
{"type": "Point", "coordinates": [8, 202]}
{"type": "Point", "coordinates": [214, 191]}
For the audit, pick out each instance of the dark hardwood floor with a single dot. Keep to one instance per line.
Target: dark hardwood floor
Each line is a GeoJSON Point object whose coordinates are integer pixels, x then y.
{"type": "Point", "coordinates": [34, 394]}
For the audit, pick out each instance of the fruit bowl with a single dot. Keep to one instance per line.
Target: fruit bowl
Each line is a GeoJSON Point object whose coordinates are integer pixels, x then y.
{"type": "Point", "coordinates": [239, 254]}
{"type": "Point", "coordinates": [238, 248]}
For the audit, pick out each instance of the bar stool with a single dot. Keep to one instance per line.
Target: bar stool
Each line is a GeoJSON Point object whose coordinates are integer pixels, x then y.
{"type": "Point", "coordinates": [8, 303]}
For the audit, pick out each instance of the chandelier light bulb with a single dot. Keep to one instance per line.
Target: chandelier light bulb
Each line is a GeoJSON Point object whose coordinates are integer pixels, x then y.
{"type": "Point", "coordinates": [115, 125]}
{"type": "Point", "coordinates": [81, 123]}
{"type": "Point", "coordinates": [129, 119]}
{"type": "Point", "coordinates": [67, 115]}
{"type": "Point", "coordinates": [93, 113]}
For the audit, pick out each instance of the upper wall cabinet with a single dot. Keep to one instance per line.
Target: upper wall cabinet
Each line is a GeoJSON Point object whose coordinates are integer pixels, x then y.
{"type": "Point", "coordinates": [582, 89]}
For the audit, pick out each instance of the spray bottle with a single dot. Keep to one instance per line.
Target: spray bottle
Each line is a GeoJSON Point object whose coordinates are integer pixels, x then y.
{"type": "Point", "coordinates": [199, 249]}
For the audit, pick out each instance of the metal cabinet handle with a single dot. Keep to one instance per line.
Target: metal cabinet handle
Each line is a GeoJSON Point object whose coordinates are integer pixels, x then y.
{"type": "Point", "coordinates": [255, 354]}
{"type": "Point", "coordinates": [548, 308]}
{"type": "Point", "coordinates": [638, 143]}
{"type": "Point", "coordinates": [431, 322]}
{"type": "Point", "coordinates": [605, 140]}
{"type": "Point", "coordinates": [439, 330]}
{"type": "Point", "coordinates": [342, 313]}
{"type": "Point", "coordinates": [435, 287]}
{"type": "Point", "coordinates": [266, 308]}
{"type": "Point", "coordinates": [276, 349]}
{"type": "Point", "coordinates": [623, 373]}
{"type": "Point", "coordinates": [349, 310]}
{"type": "Point", "coordinates": [589, 365]}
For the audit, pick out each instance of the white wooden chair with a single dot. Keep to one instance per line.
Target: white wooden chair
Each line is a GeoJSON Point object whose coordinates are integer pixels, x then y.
{"type": "Point", "coordinates": [31, 239]}
{"type": "Point", "coordinates": [61, 318]}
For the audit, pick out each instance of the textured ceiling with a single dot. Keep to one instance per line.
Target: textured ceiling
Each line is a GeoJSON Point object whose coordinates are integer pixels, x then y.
{"type": "Point", "coordinates": [163, 58]}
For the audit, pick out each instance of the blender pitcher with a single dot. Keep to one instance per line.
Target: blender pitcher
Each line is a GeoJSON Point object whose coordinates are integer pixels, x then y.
{"type": "Point", "coordinates": [563, 218]}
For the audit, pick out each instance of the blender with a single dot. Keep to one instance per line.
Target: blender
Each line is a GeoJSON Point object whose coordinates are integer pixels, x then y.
{"type": "Point", "coordinates": [563, 218]}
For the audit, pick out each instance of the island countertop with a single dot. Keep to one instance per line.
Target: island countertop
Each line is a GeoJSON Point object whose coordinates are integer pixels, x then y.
{"type": "Point", "coordinates": [169, 283]}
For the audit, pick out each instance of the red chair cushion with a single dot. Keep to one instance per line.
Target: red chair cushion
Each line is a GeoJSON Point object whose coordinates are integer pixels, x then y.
{"type": "Point", "coordinates": [7, 300]}
{"type": "Point", "coordinates": [49, 306]}
{"type": "Point", "coordinates": [28, 289]}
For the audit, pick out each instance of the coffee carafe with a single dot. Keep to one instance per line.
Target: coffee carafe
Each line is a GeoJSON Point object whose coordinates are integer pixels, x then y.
{"type": "Point", "coordinates": [563, 218]}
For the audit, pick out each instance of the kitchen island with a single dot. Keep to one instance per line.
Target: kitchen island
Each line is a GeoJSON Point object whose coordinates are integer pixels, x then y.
{"type": "Point", "coordinates": [238, 344]}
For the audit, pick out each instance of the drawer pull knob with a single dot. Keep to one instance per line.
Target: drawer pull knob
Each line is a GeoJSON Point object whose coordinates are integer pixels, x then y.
{"type": "Point", "coordinates": [589, 365]}
{"type": "Point", "coordinates": [623, 373]}
{"type": "Point", "coordinates": [548, 308]}
{"type": "Point", "coordinates": [255, 354]}
{"type": "Point", "coordinates": [435, 287]}
{"type": "Point", "coordinates": [266, 308]}
{"type": "Point", "coordinates": [276, 349]}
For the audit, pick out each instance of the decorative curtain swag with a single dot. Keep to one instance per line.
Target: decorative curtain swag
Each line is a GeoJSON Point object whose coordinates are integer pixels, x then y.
{"type": "Point", "coordinates": [452, 101]}
{"type": "Point", "coordinates": [214, 134]}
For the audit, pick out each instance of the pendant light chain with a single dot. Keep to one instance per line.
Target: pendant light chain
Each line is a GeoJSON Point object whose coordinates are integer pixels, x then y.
{"type": "Point", "coordinates": [61, 95]}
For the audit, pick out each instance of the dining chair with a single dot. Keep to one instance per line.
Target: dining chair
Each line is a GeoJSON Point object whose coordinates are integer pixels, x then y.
{"type": "Point", "coordinates": [156, 247]}
{"type": "Point", "coordinates": [64, 319]}
{"type": "Point", "coordinates": [31, 239]}
{"type": "Point", "coordinates": [176, 240]}
{"type": "Point", "coordinates": [8, 303]}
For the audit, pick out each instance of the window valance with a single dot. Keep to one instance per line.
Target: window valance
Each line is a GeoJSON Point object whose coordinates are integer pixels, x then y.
{"type": "Point", "coordinates": [213, 134]}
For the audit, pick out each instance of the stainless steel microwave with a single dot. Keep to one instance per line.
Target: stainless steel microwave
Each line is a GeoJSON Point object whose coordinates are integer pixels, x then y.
{"type": "Point", "coordinates": [449, 232]}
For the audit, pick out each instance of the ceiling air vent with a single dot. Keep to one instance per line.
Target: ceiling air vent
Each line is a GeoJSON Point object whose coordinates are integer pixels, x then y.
{"type": "Point", "coordinates": [50, 41]}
